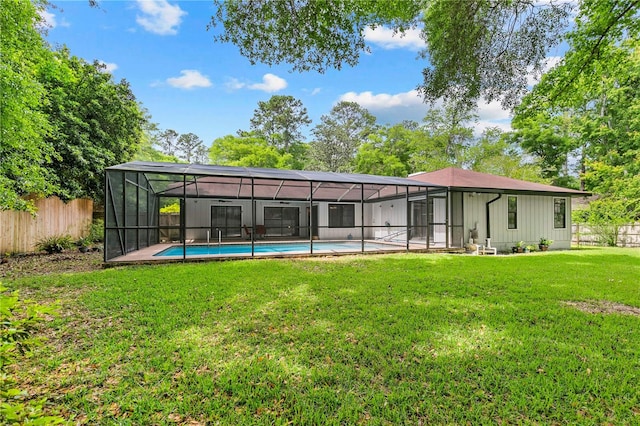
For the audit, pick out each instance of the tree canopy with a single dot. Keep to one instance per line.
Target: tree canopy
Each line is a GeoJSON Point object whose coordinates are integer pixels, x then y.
{"type": "Point", "coordinates": [475, 48]}
{"type": "Point", "coordinates": [23, 125]}
{"type": "Point", "coordinates": [62, 119]}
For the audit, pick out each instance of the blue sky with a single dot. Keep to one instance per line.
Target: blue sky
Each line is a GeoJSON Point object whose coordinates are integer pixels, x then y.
{"type": "Point", "coordinates": [190, 83]}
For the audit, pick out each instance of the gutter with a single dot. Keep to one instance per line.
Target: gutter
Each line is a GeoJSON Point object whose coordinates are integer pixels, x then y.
{"type": "Point", "coordinates": [488, 216]}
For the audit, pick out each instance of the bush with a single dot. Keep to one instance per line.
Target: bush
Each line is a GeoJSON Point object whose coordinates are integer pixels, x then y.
{"type": "Point", "coordinates": [96, 231]}
{"type": "Point", "coordinates": [55, 243]}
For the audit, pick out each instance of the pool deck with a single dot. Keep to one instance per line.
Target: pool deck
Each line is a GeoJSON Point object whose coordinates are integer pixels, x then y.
{"type": "Point", "coordinates": [148, 254]}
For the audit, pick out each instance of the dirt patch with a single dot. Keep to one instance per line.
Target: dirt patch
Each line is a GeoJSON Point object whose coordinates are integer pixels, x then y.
{"type": "Point", "coordinates": [43, 264]}
{"type": "Point", "coordinates": [604, 307]}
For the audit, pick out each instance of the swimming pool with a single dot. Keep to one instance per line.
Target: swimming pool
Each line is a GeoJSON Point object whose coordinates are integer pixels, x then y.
{"type": "Point", "coordinates": [276, 248]}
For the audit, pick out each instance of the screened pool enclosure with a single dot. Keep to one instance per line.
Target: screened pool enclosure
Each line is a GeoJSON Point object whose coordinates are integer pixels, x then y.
{"type": "Point", "coordinates": [168, 211]}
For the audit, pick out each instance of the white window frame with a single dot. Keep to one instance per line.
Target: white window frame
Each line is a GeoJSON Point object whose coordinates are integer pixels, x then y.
{"type": "Point", "coordinates": [554, 213]}
{"type": "Point", "coordinates": [517, 209]}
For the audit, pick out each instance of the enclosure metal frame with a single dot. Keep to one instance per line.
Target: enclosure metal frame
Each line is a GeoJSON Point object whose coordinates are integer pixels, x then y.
{"type": "Point", "coordinates": [176, 177]}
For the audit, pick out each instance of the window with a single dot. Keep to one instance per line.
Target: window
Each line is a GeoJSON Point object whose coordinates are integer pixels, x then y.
{"type": "Point", "coordinates": [559, 213]}
{"type": "Point", "coordinates": [512, 212]}
{"type": "Point", "coordinates": [342, 215]}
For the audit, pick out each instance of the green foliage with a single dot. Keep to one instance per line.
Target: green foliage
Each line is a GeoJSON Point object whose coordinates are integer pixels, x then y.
{"type": "Point", "coordinates": [605, 217]}
{"type": "Point", "coordinates": [338, 137]}
{"type": "Point", "coordinates": [309, 35]}
{"type": "Point", "coordinates": [248, 150]}
{"type": "Point", "coordinates": [96, 123]}
{"type": "Point", "coordinates": [280, 121]}
{"type": "Point", "coordinates": [488, 48]}
{"type": "Point", "coordinates": [54, 243]}
{"type": "Point", "coordinates": [171, 208]}
{"type": "Point", "coordinates": [23, 125]}
{"type": "Point", "coordinates": [191, 149]}
{"type": "Point", "coordinates": [19, 320]}
{"type": "Point", "coordinates": [544, 241]}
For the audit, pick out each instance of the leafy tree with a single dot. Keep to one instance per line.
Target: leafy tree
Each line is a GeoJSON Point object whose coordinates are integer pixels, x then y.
{"type": "Point", "coordinates": [493, 153]}
{"type": "Point", "coordinates": [191, 148]}
{"type": "Point", "coordinates": [475, 48]}
{"type": "Point", "coordinates": [551, 140]}
{"type": "Point", "coordinates": [168, 141]}
{"type": "Point", "coordinates": [23, 125]}
{"type": "Point", "coordinates": [388, 150]}
{"type": "Point", "coordinates": [596, 120]}
{"type": "Point", "coordinates": [338, 137]}
{"type": "Point", "coordinates": [95, 122]}
{"type": "Point", "coordinates": [280, 121]}
{"type": "Point", "coordinates": [147, 149]}
{"type": "Point", "coordinates": [446, 127]}
{"type": "Point", "coordinates": [310, 35]}
{"type": "Point", "coordinates": [248, 150]}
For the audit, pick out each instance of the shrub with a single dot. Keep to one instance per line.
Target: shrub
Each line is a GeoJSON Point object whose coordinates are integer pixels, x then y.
{"type": "Point", "coordinates": [96, 231]}
{"type": "Point", "coordinates": [55, 243]}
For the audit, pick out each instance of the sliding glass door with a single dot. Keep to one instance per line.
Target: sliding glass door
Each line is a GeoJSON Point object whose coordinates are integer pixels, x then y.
{"type": "Point", "coordinates": [227, 220]}
{"type": "Point", "coordinates": [282, 221]}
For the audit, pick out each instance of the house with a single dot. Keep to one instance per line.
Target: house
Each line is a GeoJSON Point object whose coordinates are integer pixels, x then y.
{"type": "Point", "coordinates": [241, 211]}
{"type": "Point", "coordinates": [503, 209]}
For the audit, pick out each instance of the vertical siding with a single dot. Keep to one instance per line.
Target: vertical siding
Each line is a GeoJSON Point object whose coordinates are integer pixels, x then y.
{"type": "Point", "coordinates": [535, 220]}
{"type": "Point", "coordinates": [19, 231]}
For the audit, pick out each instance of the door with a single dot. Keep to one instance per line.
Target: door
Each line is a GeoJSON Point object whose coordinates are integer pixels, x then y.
{"type": "Point", "coordinates": [227, 220]}
{"type": "Point", "coordinates": [282, 221]}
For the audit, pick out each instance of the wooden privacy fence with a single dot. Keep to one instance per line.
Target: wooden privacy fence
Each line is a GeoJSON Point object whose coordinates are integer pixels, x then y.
{"type": "Point", "coordinates": [627, 235]}
{"type": "Point", "coordinates": [19, 231]}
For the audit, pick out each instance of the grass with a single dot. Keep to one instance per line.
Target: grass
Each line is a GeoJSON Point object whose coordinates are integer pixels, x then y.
{"type": "Point", "coordinates": [391, 339]}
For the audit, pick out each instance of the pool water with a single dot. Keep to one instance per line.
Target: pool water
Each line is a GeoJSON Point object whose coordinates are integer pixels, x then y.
{"type": "Point", "coordinates": [274, 248]}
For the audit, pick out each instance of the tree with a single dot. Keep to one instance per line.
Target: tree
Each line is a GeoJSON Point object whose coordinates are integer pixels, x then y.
{"type": "Point", "coordinates": [191, 148]}
{"type": "Point", "coordinates": [23, 125]}
{"type": "Point", "coordinates": [168, 141]}
{"type": "Point", "coordinates": [388, 151]}
{"type": "Point", "coordinates": [248, 150]}
{"type": "Point", "coordinates": [338, 137]}
{"type": "Point", "coordinates": [447, 127]}
{"type": "Point", "coordinates": [95, 123]}
{"type": "Point", "coordinates": [147, 149]}
{"type": "Point", "coordinates": [493, 153]}
{"type": "Point", "coordinates": [596, 120]}
{"type": "Point", "coordinates": [475, 48]}
{"type": "Point", "coordinates": [280, 121]}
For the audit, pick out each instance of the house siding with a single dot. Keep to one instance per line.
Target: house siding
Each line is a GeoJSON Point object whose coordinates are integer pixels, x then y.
{"type": "Point", "coordinates": [535, 220]}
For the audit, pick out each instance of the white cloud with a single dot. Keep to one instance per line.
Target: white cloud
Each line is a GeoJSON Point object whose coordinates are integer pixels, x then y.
{"type": "Point", "coordinates": [315, 91]}
{"type": "Point", "coordinates": [109, 66]}
{"type": "Point", "coordinates": [394, 108]}
{"type": "Point", "coordinates": [383, 100]}
{"type": "Point", "coordinates": [390, 108]}
{"type": "Point", "coordinates": [48, 19]}
{"type": "Point", "coordinates": [493, 112]}
{"type": "Point", "coordinates": [270, 83]}
{"type": "Point", "coordinates": [550, 62]}
{"type": "Point", "coordinates": [234, 84]}
{"type": "Point", "coordinates": [160, 17]}
{"type": "Point", "coordinates": [491, 115]}
{"type": "Point", "coordinates": [189, 79]}
{"type": "Point", "coordinates": [385, 38]}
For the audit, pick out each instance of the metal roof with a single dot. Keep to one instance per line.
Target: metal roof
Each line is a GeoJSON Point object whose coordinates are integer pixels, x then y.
{"type": "Point", "coordinates": [209, 181]}
{"type": "Point", "coordinates": [261, 173]}
{"type": "Point", "coordinates": [467, 180]}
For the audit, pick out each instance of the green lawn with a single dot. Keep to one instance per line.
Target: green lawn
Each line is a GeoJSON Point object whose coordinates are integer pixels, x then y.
{"type": "Point", "coordinates": [384, 339]}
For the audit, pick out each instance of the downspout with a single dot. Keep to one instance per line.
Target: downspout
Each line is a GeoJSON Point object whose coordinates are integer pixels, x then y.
{"type": "Point", "coordinates": [488, 216]}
